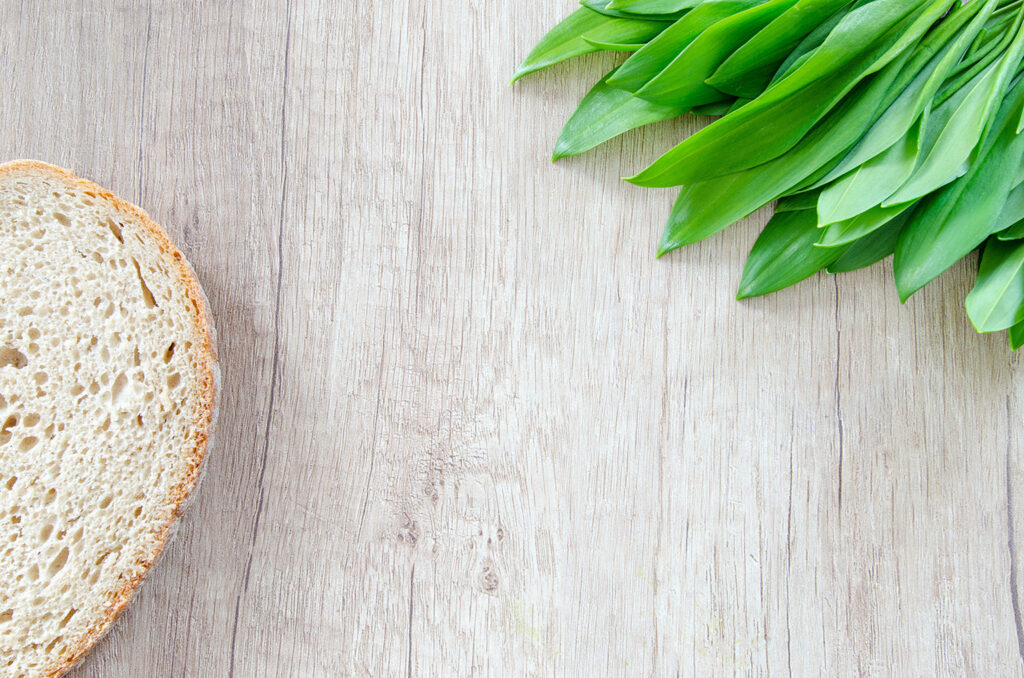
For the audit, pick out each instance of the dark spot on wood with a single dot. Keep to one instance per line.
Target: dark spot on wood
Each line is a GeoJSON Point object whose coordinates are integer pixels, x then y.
{"type": "Point", "coordinates": [489, 580]}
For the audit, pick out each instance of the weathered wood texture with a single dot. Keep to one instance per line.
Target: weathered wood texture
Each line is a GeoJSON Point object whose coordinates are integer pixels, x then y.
{"type": "Point", "coordinates": [470, 425]}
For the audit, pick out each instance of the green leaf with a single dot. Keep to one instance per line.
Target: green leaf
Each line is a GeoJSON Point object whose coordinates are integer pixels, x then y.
{"type": "Point", "coordinates": [659, 52]}
{"type": "Point", "coordinates": [961, 138]}
{"type": "Point", "coordinates": [810, 44]}
{"type": "Point", "coordinates": [845, 232]}
{"type": "Point", "coordinates": [868, 185]}
{"type": "Point", "coordinates": [784, 254]}
{"type": "Point", "coordinates": [931, 63]}
{"type": "Point", "coordinates": [681, 83]}
{"type": "Point", "coordinates": [978, 60]}
{"type": "Point", "coordinates": [605, 113]}
{"type": "Point", "coordinates": [566, 40]}
{"type": "Point", "coordinates": [948, 156]}
{"type": "Point", "coordinates": [1016, 336]}
{"type": "Point", "coordinates": [615, 46]}
{"type": "Point", "coordinates": [652, 6]}
{"type": "Point", "coordinates": [707, 207]}
{"type": "Point", "coordinates": [1011, 214]}
{"type": "Point", "coordinates": [1014, 232]}
{"type": "Point", "coordinates": [776, 121]}
{"type": "Point", "coordinates": [601, 7]}
{"type": "Point", "coordinates": [718, 108]}
{"type": "Point", "coordinates": [997, 300]}
{"type": "Point", "coordinates": [749, 69]}
{"type": "Point", "coordinates": [871, 248]}
{"type": "Point", "coordinates": [798, 201]}
{"type": "Point", "coordinates": [956, 219]}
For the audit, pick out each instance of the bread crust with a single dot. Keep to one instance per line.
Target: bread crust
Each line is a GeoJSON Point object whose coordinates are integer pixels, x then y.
{"type": "Point", "coordinates": [205, 417]}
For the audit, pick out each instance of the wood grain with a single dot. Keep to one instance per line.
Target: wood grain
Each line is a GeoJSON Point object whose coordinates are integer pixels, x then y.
{"type": "Point", "coordinates": [470, 425]}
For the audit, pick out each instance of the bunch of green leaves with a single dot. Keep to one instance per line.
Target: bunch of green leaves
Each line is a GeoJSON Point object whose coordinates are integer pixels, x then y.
{"type": "Point", "coordinates": [880, 127]}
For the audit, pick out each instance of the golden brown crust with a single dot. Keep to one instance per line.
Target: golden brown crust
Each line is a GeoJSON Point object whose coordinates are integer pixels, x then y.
{"type": "Point", "coordinates": [205, 417]}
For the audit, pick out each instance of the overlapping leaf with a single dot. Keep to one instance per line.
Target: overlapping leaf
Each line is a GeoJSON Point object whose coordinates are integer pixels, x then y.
{"type": "Point", "coordinates": [882, 127]}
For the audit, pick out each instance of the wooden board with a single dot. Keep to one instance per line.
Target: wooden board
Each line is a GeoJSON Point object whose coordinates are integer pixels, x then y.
{"type": "Point", "coordinates": [470, 425]}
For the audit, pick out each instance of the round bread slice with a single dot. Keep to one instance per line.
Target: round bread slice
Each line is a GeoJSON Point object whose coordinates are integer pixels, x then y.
{"type": "Point", "coordinates": [108, 389]}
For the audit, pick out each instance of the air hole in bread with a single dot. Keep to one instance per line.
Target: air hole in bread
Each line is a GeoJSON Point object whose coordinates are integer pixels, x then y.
{"type": "Point", "coordinates": [117, 390]}
{"type": "Point", "coordinates": [147, 295]}
{"type": "Point", "coordinates": [12, 357]}
{"type": "Point", "coordinates": [62, 218]}
{"type": "Point", "coordinates": [53, 643]}
{"type": "Point", "coordinates": [59, 561]}
{"type": "Point", "coordinates": [67, 618]}
{"type": "Point", "coordinates": [116, 230]}
{"type": "Point", "coordinates": [10, 422]}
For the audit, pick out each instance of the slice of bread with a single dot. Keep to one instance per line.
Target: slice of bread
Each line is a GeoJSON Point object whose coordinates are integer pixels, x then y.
{"type": "Point", "coordinates": [108, 389]}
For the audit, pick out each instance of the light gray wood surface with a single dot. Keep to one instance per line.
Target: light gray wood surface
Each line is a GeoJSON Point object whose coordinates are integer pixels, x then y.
{"type": "Point", "coordinates": [470, 426]}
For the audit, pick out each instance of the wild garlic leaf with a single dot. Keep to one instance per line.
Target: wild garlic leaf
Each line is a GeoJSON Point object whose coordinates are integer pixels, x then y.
{"type": "Point", "coordinates": [601, 7]}
{"type": "Point", "coordinates": [926, 71]}
{"type": "Point", "coordinates": [647, 62]}
{"type": "Point", "coordinates": [850, 230]}
{"type": "Point", "coordinates": [1013, 232]}
{"type": "Point", "coordinates": [705, 208]}
{"type": "Point", "coordinates": [805, 48]}
{"type": "Point", "coordinates": [964, 132]}
{"type": "Point", "coordinates": [776, 121]}
{"type": "Point", "coordinates": [997, 300]}
{"type": "Point", "coordinates": [956, 219]}
{"type": "Point", "coordinates": [868, 185]}
{"type": "Point", "coordinates": [604, 113]}
{"type": "Point", "coordinates": [749, 69]}
{"type": "Point", "coordinates": [717, 108]}
{"type": "Point", "coordinates": [566, 40]}
{"type": "Point", "coordinates": [798, 201]}
{"type": "Point", "coordinates": [681, 83]}
{"type": "Point", "coordinates": [605, 46]}
{"type": "Point", "coordinates": [871, 248]}
{"type": "Point", "coordinates": [1016, 336]}
{"type": "Point", "coordinates": [652, 6]}
{"type": "Point", "coordinates": [784, 254]}
{"type": "Point", "coordinates": [948, 156]}
{"type": "Point", "coordinates": [1011, 213]}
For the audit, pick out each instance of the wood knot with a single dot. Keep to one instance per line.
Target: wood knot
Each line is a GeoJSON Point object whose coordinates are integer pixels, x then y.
{"type": "Point", "coordinates": [488, 580]}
